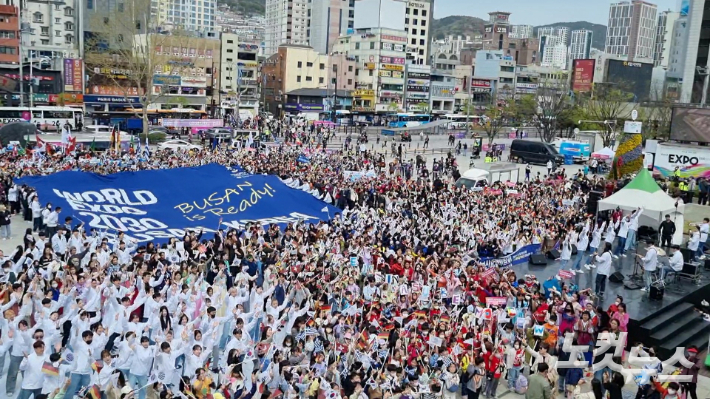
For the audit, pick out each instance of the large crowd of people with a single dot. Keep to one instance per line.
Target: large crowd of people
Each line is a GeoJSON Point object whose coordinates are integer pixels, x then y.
{"type": "Point", "coordinates": [398, 296]}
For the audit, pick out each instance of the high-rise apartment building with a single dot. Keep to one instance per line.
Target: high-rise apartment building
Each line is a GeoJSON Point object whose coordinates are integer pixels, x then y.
{"type": "Point", "coordinates": [559, 33]}
{"type": "Point", "coordinates": [580, 44]}
{"type": "Point", "coordinates": [329, 20]}
{"type": "Point", "coordinates": [521, 31]}
{"type": "Point", "coordinates": [631, 31]}
{"type": "Point", "coordinates": [286, 23]}
{"type": "Point", "coordinates": [555, 56]}
{"type": "Point", "coordinates": [664, 37]}
{"type": "Point", "coordinates": [189, 15]}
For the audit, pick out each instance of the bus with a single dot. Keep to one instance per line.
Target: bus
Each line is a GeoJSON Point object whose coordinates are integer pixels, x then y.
{"type": "Point", "coordinates": [100, 141]}
{"type": "Point", "coordinates": [409, 120]}
{"type": "Point", "coordinates": [49, 118]}
{"type": "Point", "coordinates": [457, 121]}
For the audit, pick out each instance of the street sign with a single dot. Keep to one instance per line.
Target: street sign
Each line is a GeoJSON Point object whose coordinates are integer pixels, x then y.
{"type": "Point", "coordinates": [634, 114]}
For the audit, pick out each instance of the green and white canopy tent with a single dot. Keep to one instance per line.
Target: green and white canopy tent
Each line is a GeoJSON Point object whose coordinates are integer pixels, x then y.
{"type": "Point", "coordinates": [643, 192]}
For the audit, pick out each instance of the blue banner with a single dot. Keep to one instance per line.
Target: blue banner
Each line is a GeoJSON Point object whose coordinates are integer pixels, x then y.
{"type": "Point", "coordinates": [303, 159]}
{"type": "Point", "coordinates": [160, 204]}
{"type": "Point", "coordinates": [516, 258]}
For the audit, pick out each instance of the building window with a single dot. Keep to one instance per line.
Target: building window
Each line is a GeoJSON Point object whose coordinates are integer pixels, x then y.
{"type": "Point", "coordinates": [68, 39]}
{"type": "Point", "coordinates": [407, 12]}
{"type": "Point", "coordinates": [44, 31]}
{"type": "Point", "coordinates": [321, 80]}
{"type": "Point", "coordinates": [350, 82]}
{"type": "Point", "coordinates": [372, 45]}
{"type": "Point", "coordinates": [350, 68]}
{"type": "Point", "coordinates": [414, 31]}
{"type": "Point", "coordinates": [422, 32]}
{"type": "Point", "coordinates": [121, 7]}
{"type": "Point", "coordinates": [335, 68]}
{"type": "Point", "coordinates": [406, 20]}
{"type": "Point", "coordinates": [37, 17]}
{"type": "Point", "coordinates": [423, 22]}
{"type": "Point", "coordinates": [230, 41]}
{"type": "Point", "coordinates": [44, 42]}
{"type": "Point", "coordinates": [421, 42]}
{"type": "Point", "coordinates": [414, 41]}
{"type": "Point", "coordinates": [298, 78]}
{"type": "Point", "coordinates": [309, 65]}
{"type": "Point", "coordinates": [57, 33]}
{"type": "Point", "coordinates": [300, 65]}
{"type": "Point", "coordinates": [57, 20]}
{"type": "Point", "coordinates": [68, 26]}
{"type": "Point", "coordinates": [229, 50]}
{"type": "Point", "coordinates": [371, 72]}
{"type": "Point", "coordinates": [90, 4]}
{"type": "Point", "coordinates": [423, 13]}
{"type": "Point", "coordinates": [309, 79]}
{"type": "Point", "coordinates": [357, 46]}
{"type": "Point", "coordinates": [416, 11]}
{"type": "Point", "coordinates": [68, 11]}
{"type": "Point", "coordinates": [415, 21]}
{"type": "Point", "coordinates": [8, 50]}
{"type": "Point", "coordinates": [322, 66]}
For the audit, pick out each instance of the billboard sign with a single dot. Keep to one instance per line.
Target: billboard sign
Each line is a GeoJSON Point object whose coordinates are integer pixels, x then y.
{"type": "Point", "coordinates": [630, 77]}
{"type": "Point", "coordinates": [73, 75]}
{"type": "Point", "coordinates": [481, 83]}
{"type": "Point", "coordinates": [693, 161]}
{"type": "Point", "coordinates": [583, 75]}
{"type": "Point", "coordinates": [690, 124]}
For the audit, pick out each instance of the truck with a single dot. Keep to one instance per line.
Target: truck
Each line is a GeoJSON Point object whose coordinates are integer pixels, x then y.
{"type": "Point", "coordinates": [662, 159]}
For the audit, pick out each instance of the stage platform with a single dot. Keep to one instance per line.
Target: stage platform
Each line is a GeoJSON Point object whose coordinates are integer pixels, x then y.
{"type": "Point", "coordinates": [666, 324]}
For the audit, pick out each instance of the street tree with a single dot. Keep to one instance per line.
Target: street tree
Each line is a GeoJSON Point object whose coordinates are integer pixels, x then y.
{"type": "Point", "coordinates": [123, 55]}
{"type": "Point", "coordinates": [549, 109]}
{"type": "Point", "coordinates": [607, 108]}
{"type": "Point", "coordinates": [496, 118]}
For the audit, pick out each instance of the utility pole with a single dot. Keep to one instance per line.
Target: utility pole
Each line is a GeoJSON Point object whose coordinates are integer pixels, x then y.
{"type": "Point", "coordinates": [468, 100]}
{"type": "Point", "coordinates": [22, 77]}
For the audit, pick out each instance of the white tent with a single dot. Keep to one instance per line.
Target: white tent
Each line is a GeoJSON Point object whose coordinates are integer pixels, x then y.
{"type": "Point", "coordinates": [604, 153]}
{"type": "Point", "coordinates": [643, 191]}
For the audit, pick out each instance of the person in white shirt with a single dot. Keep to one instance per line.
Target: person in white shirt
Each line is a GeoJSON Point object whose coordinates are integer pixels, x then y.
{"type": "Point", "coordinates": [650, 260]}
{"type": "Point", "coordinates": [624, 224]}
{"type": "Point", "coordinates": [33, 377]}
{"type": "Point", "coordinates": [704, 230]}
{"type": "Point", "coordinates": [675, 262]}
{"type": "Point", "coordinates": [36, 214]}
{"type": "Point", "coordinates": [52, 221]}
{"type": "Point", "coordinates": [633, 227]}
{"type": "Point", "coordinates": [141, 362]}
{"type": "Point", "coordinates": [83, 349]}
{"type": "Point", "coordinates": [694, 241]}
{"type": "Point", "coordinates": [603, 269]}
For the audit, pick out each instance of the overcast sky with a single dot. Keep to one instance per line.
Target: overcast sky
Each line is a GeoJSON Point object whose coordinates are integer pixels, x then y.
{"type": "Point", "coordinates": [538, 12]}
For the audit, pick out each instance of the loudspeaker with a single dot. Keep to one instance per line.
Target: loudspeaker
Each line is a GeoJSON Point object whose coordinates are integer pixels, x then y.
{"type": "Point", "coordinates": [617, 277]}
{"type": "Point", "coordinates": [594, 197]}
{"type": "Point", "coordinates": [553, 254]}
{"type": "Point", "coordinates": [538, 260]}
{"type": "Point", "coordinates": [574, 250]}
{"type": "Point", "coordinates": [656, 293]}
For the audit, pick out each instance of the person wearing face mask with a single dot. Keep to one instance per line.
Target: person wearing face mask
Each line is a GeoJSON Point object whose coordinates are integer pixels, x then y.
{"type": "Point", "coordinates": [84, 349]}
{"type": "Point", "coordinates": [514, 359]}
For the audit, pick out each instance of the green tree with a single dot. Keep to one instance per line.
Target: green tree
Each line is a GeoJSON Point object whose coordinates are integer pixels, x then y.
{"type": "Point", "coordinates": [496, 118]}
{"type": "Point", "coordinates": [607, 107]}
{"type": "Point", "coordinates": [549, 109]}
{"type": "Point", "coordinates": [393, 107]}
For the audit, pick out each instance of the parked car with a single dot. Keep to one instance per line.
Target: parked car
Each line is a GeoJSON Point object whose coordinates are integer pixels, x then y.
{"type": "Point", "coordinates": [177, 145]}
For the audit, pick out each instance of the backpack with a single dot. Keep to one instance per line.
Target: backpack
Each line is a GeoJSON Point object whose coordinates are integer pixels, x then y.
{"type": "Point", "coordinates": [521, 385]}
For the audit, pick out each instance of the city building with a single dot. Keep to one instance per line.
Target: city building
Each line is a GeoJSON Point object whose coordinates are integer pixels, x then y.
{"type": "Point", "coordinates": [690, 60]}
{"type": "Point", "coordinates": [677, 58]}
{"type": "Point", "coordinates": [498, 69]}
{"type": "Point", "coordinates": [380, 56]}
{"type": "Point", "coordinates": [442, 88]}
{"type": "Point", "coordinates": [453, 45]}
{"type": "Point", "coordinates": [416, 21]}
{"type": "Point", "coordinates": [559, 33]}
{"type": "Point", "coordinates": [286, 23]}
{"type": "Point", "coordinates": [54, 30]}
{"type": "Point", "coordinates": [293, 67]}
{"type": "Point", "coordinates": [664, 38]}
{"type": "Point", "coordinates": [328, 20]}
{"type": "Point", "coordinates": [521, 31]}
{"type": "Point", "coordinates": [580, 44]}
{"type": "Point", "coordinates": [631, 30]}
{"type": "Point", "coordinates": [495, 32]}
{"type": "Point", "coordinates": [555, 56]}
{"type": "Point", "coordinates": [418, 24]}
{"type": "Point", "coordinates": [10, 29]}
{"type": "Point", "coordinates": [417, 89]}
{"type": "Point", "coordinates": [187, 15]}
{"type": "Point", "coordinates": [238, 75]}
